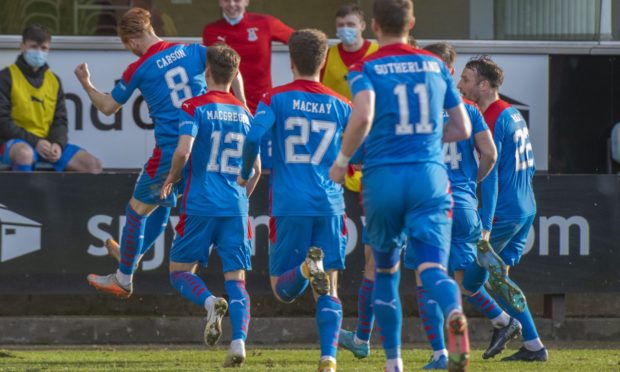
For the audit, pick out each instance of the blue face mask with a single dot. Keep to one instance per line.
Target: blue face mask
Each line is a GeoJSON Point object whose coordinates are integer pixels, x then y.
{"type": "Point", "coordinates": [35, 58]}
{"type": "Point", "coordinates": [347, 35]}
{"type": "Point", "coordinates": [233, 21]}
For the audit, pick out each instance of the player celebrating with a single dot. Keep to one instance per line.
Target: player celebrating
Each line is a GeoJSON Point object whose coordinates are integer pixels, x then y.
{"type": "Point", "coordinates": [214, 209]}
{"type": "Point", "coordinates": [166, 74]}
{"type": "Point", "coordinates": [399, 93]}
{"type": "Point", "coordinates": [508, 204]}
{"type": "Point", "coordinates": [308, 234]}
{"type": "Point", "coordinates": [464, 172]}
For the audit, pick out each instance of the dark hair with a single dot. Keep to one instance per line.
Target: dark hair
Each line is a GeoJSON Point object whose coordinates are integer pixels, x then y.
{"type": "Point", "coordinates": [134, 24]}
{"type": "Point", "coordinates": [308, 49]}
{"type": "Point", "coordinates": [487, 69]}
{"type": "Point", "coordinates": [37, 33]}
{"type": "Point", "coordinates": [223, 63]}
{"type": "Point", "coordinates": [393, 16]}
{"type": "Point", "coordinates": [347, 9]}
{"type": "Point", "coordinates": [444, 51]}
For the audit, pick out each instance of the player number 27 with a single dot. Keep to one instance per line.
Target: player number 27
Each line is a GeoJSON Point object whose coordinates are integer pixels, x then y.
{"type": "Point", "coordinates": [404, 126]}
{"type": "Point", "coordinates": [227, 154]}
{"type": "Point", "coordinates": [177, 79]}
{"type": "Point", "coordinates": [523, 154]}
{"type": "Point", "coordinates": [329, 129]}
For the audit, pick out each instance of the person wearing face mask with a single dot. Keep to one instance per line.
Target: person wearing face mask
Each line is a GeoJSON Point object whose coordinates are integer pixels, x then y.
{"type": "Point", "coordinates": [250, 35]}
{"type": "Point", "coordinates": [33, 115]}
{"type": "Point", "coordinates": [353, 47]}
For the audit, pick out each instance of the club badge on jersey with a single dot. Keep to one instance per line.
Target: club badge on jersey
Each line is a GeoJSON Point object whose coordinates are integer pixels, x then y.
{"type": "Point", "coordinates": [252, 34]}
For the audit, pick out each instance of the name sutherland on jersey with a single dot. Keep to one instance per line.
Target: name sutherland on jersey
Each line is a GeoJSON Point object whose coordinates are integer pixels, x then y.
{"type": "Point", "coordinates": [407, 67]}
{"type": "Point", "coordinates": [227, 116]}
{"type": "Point", "coordinates": [169, 58]}
{"type": "Point", "coordinates": [313, 107]}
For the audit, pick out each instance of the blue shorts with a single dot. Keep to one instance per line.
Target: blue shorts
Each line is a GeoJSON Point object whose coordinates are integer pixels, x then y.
{"type": "Point", "coordinates": [413, 199]}
{"type": "Point", "coordinates": [466, 232]}
{"type": "Point", "coordinates": [60, 165]}
{"type": "Point", "coordinates": [229, 235]}
{"type": "Point", "coordinates": [508, 238]}
{"type": "Point", "coordinates": [152, 177]}
{"type": "Point", "coordinates": [365, 239]}
{"type": "Point", "coordinates": [292, 236]}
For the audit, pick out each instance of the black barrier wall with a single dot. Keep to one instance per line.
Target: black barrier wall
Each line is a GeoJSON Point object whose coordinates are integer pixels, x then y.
{"type": "Point", "coordinates": [52, 228]}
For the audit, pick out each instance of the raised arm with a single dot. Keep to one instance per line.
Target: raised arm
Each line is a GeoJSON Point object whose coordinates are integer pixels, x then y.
{"type": "Point", "coordinates": [102, 101]}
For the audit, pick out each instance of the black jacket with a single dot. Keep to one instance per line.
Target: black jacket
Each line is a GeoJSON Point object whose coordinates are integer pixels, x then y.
{"type": "Point", "coordinates": [8, 128]}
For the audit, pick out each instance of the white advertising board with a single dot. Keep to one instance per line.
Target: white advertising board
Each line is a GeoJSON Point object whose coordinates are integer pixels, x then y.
{"type": "Point", "coordinates": [125, 140]}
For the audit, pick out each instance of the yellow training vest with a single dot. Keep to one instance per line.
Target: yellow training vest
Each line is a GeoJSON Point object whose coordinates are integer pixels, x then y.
{"type": "Point", "coordinates": [33, 108]}
{"type": "Point", "coordinates": [335, 75]}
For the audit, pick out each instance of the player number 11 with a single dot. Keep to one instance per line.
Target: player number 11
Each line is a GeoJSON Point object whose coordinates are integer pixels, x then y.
{"type": "Point", "coordinates": [404, 126]}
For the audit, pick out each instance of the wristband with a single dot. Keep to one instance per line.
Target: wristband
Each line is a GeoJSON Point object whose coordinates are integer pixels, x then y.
{"type": "Point", "coordinates": [342, 161]}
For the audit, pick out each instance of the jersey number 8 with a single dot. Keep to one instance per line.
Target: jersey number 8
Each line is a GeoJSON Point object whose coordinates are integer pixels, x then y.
{"type": "Point", "coordinates": [177, 79]}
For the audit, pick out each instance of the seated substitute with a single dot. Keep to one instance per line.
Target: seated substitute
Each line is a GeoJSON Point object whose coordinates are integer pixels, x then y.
{"type": "Point", "coordinates": [33, 115]}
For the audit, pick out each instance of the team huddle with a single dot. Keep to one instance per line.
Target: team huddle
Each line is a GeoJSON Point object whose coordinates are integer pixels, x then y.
{"type": "Point", "coordinates": [422, 143]}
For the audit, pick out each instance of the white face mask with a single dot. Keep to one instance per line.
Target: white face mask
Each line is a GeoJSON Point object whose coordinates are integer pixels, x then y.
{"type": "Point", "coordinates": [233, 21]}
{"type": "Point", "coordinates": [347, 35]}
{"type": "Point", "coordinates": [35, 58]}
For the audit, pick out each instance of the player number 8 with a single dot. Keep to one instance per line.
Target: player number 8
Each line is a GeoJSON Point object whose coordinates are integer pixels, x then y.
{"type": "Point", "coordinates": [177, 79]}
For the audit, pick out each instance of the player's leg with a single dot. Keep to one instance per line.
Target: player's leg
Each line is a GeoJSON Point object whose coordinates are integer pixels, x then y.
{"type": "Point", "coordinates": [466, 231]}
{"type": "Point", "coordinates": [385, 213]}
{"type": "Point", "coordinates": [329, 234]}
{"type": "Point", "coordinates": [120, 283]}
{"type": "Point", "coordinates": [155, 225]}
{"type": "Point", "coordinates": [192, 246]}
{"type": "Point", "coordinates": [19, 155]}
{"type": "Point", "coordinates": [290, 242]}
{"type": "Point", "coordinates": [533, 349]}
{"type": "Point", "coordinates": [358, 342]}
{"type": "Point", "coordinates": [234, 247]}
{"type": "Point", "coordinates": [431, 316]}
{"type": "Point", "coordinates": [76, 159]}
{"type": "Point", "coordinates": [429, 229]}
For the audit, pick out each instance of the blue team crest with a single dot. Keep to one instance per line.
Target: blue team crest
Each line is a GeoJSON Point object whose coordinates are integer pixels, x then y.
{"type": "Point", "coordinates": [252, 34]}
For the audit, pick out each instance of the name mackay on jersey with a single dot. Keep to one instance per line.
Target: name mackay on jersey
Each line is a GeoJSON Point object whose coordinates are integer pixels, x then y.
{"type": "Point", "coordinates": [312, 107]}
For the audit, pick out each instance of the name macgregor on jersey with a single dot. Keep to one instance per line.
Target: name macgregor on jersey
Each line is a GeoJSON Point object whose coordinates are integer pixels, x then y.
{"type": "Point", "coordinates": [407, 67]}
{"type": "Point", "coordinates": [169, 58]}
{"type": "Point", "coordinates": [312, 107]}
{"type": "Point", "coordinates": [227, 116]}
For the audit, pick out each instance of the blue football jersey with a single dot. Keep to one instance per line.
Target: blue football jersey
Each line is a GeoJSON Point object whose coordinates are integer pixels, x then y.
{"type": "Point", "coordinates": [507, 192]}
{"type": "Point", "coordinates": [412, 89]}
{"type": "Point", "coordinates": [462, 162]}
{"type": "Point", "coordinates": [219, 122]}
{"type": "Point", "coordinates": [166, 75]}
{"type": "Point", "coordinates": [306, 120]}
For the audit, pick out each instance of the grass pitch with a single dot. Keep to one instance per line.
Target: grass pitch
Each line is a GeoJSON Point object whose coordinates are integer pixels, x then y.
{"type": "Point", "coordinates": [189, 358]}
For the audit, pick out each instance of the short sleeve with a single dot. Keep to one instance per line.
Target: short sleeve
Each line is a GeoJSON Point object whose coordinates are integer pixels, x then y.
{"type": "Point", "coordinates": [358, 80]}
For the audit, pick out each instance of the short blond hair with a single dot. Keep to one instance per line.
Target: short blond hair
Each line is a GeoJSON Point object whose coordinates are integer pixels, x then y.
{"type": "Point", "coordinates": [135, 23]}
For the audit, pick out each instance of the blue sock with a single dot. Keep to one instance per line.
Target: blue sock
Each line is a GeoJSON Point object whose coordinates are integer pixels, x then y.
{"type": "Point", "coordinates": [291, 284]}
{"type": "Point", "coordinates": [131, 240]}
{"type": "Point", "coordinates": [386, 304]}
{"type": "Point", "coordinates": [190, 286]}
{"type": "Point", "coordinates": [365, 313]}
{"type": "Point", "coordinates": [238, 308]}
{"type": "Point", "coordinates": [432, 319]}
{"type": "Point", "coordinates": [525, 318]}
{"type": "Point", "coordinates": [22, 168]}
{"type": "Point", "coordinates": [328, 321]}
{"type": "Point", "coordinates": [441, 288]}
{"type": "Point", "coordinates": [155, 226]}
{"type": "Point", "coordinates": [485, 304]}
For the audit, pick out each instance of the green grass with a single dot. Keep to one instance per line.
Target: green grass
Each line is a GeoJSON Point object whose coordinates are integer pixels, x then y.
{"type": "Point", "coordinates": [295, 360]}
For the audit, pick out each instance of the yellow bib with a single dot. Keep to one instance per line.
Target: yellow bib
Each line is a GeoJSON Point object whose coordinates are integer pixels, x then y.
{"type": "Point", "coordinates": [33, 108]}
{"type": "Point", "coordinates": [335, 75]}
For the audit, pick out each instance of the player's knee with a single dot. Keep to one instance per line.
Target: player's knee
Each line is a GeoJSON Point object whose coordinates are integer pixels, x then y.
{"type": "Point", "coordinates": [93, 165]}
{"type": "Point", "coordinates": [235, 275]}
{"type": "Point", "coordinates": [387, 262]}
{"type": "Point", "coordinates": [474, 278]}
{"type": "Point", "coordinates": [22, 154]}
